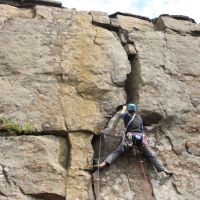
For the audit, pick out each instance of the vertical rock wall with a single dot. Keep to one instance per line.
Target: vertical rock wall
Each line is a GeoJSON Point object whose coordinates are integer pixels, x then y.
{"type": "Point", "coordinates": [65, 72]}
{"type": "Point", "coordinates": [61, 74]}
{"type": "Point", "coordinates": [169, 65]}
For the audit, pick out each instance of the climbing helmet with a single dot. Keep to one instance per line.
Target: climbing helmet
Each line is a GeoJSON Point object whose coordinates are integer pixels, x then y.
{"type": "Point", "coordinates": [131, 107]}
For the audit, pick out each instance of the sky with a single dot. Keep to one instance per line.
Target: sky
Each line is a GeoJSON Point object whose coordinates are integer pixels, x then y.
{"type": "Point", "coordinates": [148, 8]}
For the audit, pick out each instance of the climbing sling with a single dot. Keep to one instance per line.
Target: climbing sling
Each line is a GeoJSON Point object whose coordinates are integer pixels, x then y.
{"type": "Point", "coordinates": [125, 141]}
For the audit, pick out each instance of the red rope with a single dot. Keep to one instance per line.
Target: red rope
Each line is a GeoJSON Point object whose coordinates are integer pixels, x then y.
{"type": "Point", "coordinates": [145, 177]}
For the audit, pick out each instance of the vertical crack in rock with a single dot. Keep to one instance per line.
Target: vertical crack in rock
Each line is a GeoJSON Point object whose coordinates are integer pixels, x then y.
{"type": "Point", "coordinates": [34, 12]}
{"type": "Point", "coordinates": [94, 40]}
{"type": "Point", "coordinates": [133, 80]}
{"type": "Point", "coordinates": [69, 145]}
{"type": "Point", "coordinates": [129, 182]}
{"type": "Point", "coordinates": [5, 22]}
{"type": "Point", "coordinates": [58, 43]}
{"type": "Point", "coordinates": [2, 25]}
{"type": "Point", "coordinates": [170, 142]}
{"type": "Point", "coordinates": [80, 162]}
{"type": "Point", "coordinates": [131, 84]}
{"type": "Point", "coordinates": [134, 77]}
{"type": "Point", "coordinates": [4, 172]}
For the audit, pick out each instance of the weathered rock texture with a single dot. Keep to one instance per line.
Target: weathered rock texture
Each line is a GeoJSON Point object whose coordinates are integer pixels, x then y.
{"type": "Point", "coordinates": [30, 168]}
{"type": "Point", "coordinates": [65, 72]}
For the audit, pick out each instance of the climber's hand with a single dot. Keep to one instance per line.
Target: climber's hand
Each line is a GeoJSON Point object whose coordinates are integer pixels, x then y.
{"type": "Point", "coordinates": [124, 108]}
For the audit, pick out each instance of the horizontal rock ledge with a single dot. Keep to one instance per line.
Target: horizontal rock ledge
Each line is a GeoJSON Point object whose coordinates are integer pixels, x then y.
{"type": "Point", "coordinates": [29, 3]}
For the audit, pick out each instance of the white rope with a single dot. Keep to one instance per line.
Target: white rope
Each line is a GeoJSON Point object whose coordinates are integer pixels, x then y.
{"type": "Point", "coordinates": [98, 169]}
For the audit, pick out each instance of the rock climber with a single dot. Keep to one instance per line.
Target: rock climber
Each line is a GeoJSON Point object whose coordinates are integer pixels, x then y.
{"type": "Point", "coordinates": [134, 137]}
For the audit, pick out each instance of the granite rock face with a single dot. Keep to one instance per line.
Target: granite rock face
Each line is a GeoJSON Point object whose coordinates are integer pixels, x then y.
{"type": "Point", "coordinates": [167, 64]}
{"type": "Point", "coordinates": [30, 167]}
{"type": "Point", "coordinates": [64, 67]}
{"type": "Point", "coordinates": [65, 72]}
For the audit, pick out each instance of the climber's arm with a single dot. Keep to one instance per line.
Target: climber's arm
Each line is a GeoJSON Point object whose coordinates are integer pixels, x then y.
{"type": "Point", "coordinates": [120, 116]}
{"type": "Point", "coordinates": [123, 112]}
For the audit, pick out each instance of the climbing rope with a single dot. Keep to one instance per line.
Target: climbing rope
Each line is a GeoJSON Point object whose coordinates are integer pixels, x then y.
{"type": "Point", "coordinates": [145, 177]}
{"type": "Point", "coordinates": [98, 168]}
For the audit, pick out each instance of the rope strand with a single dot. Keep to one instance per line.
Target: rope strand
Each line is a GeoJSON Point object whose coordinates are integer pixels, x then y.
{"type": "Point", "coordinates": [98, 168]}
{"type": "Point", "coordinates": [145, 177]}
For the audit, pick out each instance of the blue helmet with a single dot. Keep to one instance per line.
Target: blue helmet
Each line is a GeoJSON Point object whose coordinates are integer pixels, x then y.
{"type": "Point", "coordinates": [131, 107]}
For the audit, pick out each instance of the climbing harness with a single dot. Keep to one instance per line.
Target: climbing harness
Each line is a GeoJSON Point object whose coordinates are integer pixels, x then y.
{"type": "Point", "coordinates": [126, 142]}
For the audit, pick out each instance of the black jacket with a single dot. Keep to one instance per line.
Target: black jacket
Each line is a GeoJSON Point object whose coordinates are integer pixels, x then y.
{"type": "Point", "coordinates": [135, 126]}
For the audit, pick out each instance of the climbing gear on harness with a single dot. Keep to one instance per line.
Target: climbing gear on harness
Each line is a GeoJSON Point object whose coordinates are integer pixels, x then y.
{"type": "Point", "coordinates": [131, 107]}
{"type": "Point", "coordinates": [125, 141]}
{"type": "Point", "coordinates": [135, 137]}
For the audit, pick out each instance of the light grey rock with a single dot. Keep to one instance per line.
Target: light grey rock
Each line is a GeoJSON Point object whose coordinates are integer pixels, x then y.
{"type": "Point", "coordinates": [168, 66]}
{"type": "Point", "coordinates": [14, 12]}
{"type": "Point", "coordinates": [30, 167]}
{"type": "Point", "coordinates": [79, 180]}
{"type": "Point", "coordinates": [28, 3]}
{"type": "Point", "coordinates": [61, 72]}
{"type": "Point", "coordinates": [130, 23]}
{"type": "Point", "coordinates": [86, 75]}
{"type": "Point", "coordinates": [114, 22]}
{"type": "Point", "coordinates": [130, 49]}
{"type": "Point", "coordinates": [100, 17]}
{"type": "Point", "coordinates": [180, 26]}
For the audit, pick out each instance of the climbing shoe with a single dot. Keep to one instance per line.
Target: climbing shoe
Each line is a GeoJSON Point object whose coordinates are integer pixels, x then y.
{"type": "Point", "coordinates": [102, 165]}
{"type": "Point", "coordinates": [168, 173]}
